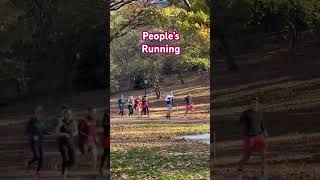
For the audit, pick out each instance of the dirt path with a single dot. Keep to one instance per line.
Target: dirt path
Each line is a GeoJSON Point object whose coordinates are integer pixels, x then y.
{"type": "Point", "coordinates": [136, 120]}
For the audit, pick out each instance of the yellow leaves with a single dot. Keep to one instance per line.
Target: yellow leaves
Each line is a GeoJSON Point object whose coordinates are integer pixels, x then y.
{"type": "Point", "coordinates": [203, 16]}
{"type": "Point", "coordinates": [197, 25]}
{"type": "Point", "coordinates": [198, 17]}
{"type": "Point", "coordinates": [204, 33]}
{"type": "Point", "coordinates": [171, 11]}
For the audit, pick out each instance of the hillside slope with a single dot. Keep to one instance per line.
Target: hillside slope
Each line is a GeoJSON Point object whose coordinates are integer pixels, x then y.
{"type": "Point", "coordinates": [289, 88]}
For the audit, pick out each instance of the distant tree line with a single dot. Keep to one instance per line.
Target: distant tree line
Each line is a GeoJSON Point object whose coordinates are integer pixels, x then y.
{"type": "Point", "coordinates": [238, 20]}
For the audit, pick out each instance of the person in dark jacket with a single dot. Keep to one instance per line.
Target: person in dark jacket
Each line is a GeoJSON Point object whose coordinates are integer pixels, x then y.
{"type": "Point", "coordinates": [189, 105]}
{"type": "Point", "coordinates": [254, 135]}
{"type": "Point", "coordinates": [66, 130]}
{"type": "Point", "coordinates": [35, 130]}
{"type": "Point", "coordinates": [121, 104]}
{"type": "Point", "coordinates": [53, 122]}
{"type": "Point", "coordinates": [145, 106]}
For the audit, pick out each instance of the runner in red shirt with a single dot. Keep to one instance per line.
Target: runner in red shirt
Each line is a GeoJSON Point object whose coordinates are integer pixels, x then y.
{"type": "Point", "coordinates": [137, 104]}
{"type": "Point", "coordinates": [88, 131]}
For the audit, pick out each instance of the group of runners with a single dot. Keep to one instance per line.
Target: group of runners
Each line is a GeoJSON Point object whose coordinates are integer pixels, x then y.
{"type": "Point", "coordinates": [65, 129]}
{"type": "Point", "coordinates": [141, 105]}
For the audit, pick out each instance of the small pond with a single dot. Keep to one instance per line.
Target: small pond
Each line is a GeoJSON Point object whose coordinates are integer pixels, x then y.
{"type": "Point", "coordinates": [197, 137]}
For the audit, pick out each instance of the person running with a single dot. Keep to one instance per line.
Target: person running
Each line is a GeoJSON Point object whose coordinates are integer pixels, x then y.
{"type": "Point", "coordinates": [189, 105]}
{"type": "Point", "coordinates": [106, 142]}
{"type": "Point", "coordinates": [137, 104]}
{"type": "Point", "coordinates": [35, 130]}
{"type": "Point", "coordinates": [130, 106]}
{"type": "Point", "coordinates": [66, 130]}
{"type": "Point", "coordinates": [254, 133]}
{"type": "Point", "coordinates": [88, 130]}
{"type": "Point", "coordinates": [121, 103]}
{"type": "Point", "coordinates": [169, 102]}
{"type": "Point", "coordinates": [145, 106]}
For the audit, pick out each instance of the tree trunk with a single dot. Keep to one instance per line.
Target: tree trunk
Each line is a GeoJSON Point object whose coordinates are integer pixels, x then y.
{"type": "Point", "coordinates": [158, 92]}
{"type": "Point", "coordinates": [187, 3]}
{"type": "Point", "coordinates": [299, 40]}
{"type": "Point", "coordinates": [230, 60]}
{"type": "Point", "coordinates": [293, 41]}
{"type": "Point", "coordinates": [180, 77]}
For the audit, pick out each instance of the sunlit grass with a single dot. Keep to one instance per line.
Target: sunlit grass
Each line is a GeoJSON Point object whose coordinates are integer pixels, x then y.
{"type": "Point", "coordinates": [146, 130]}
{"type": "Point", "coordinates": [153, 151]}
{"type": "Point", "coordinates": [164, 162]}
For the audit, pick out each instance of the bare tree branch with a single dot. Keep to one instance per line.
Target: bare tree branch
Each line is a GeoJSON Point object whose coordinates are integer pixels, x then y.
{"type": "Point", "coordinates": [116, 4]}
{"type": "Point", "coordinates": [133, 23]}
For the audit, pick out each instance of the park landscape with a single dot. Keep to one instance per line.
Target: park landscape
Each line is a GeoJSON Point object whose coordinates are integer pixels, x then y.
{"type": "Point", "coordinates": [291, 109]}
{"type": "Point", "coordinates": [277, 61]}
{"type": "Point", "coordinates": [141, 148]}
{"type": "Point", "coordinates": [52, 53]}
{"type": "Point", "coordinates": [153, 148]}
{"type": "Point", "coordinates": [264, 48]}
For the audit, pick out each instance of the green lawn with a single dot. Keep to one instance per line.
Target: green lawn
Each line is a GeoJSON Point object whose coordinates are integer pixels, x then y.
{"type": "Point", "coordinates": [152, 151]}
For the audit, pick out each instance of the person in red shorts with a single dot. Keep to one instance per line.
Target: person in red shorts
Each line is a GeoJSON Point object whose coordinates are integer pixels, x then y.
{"type": "Point", "coordinates": [254, 135]}
{"type": "Point", "coordinates": [189, 105]}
